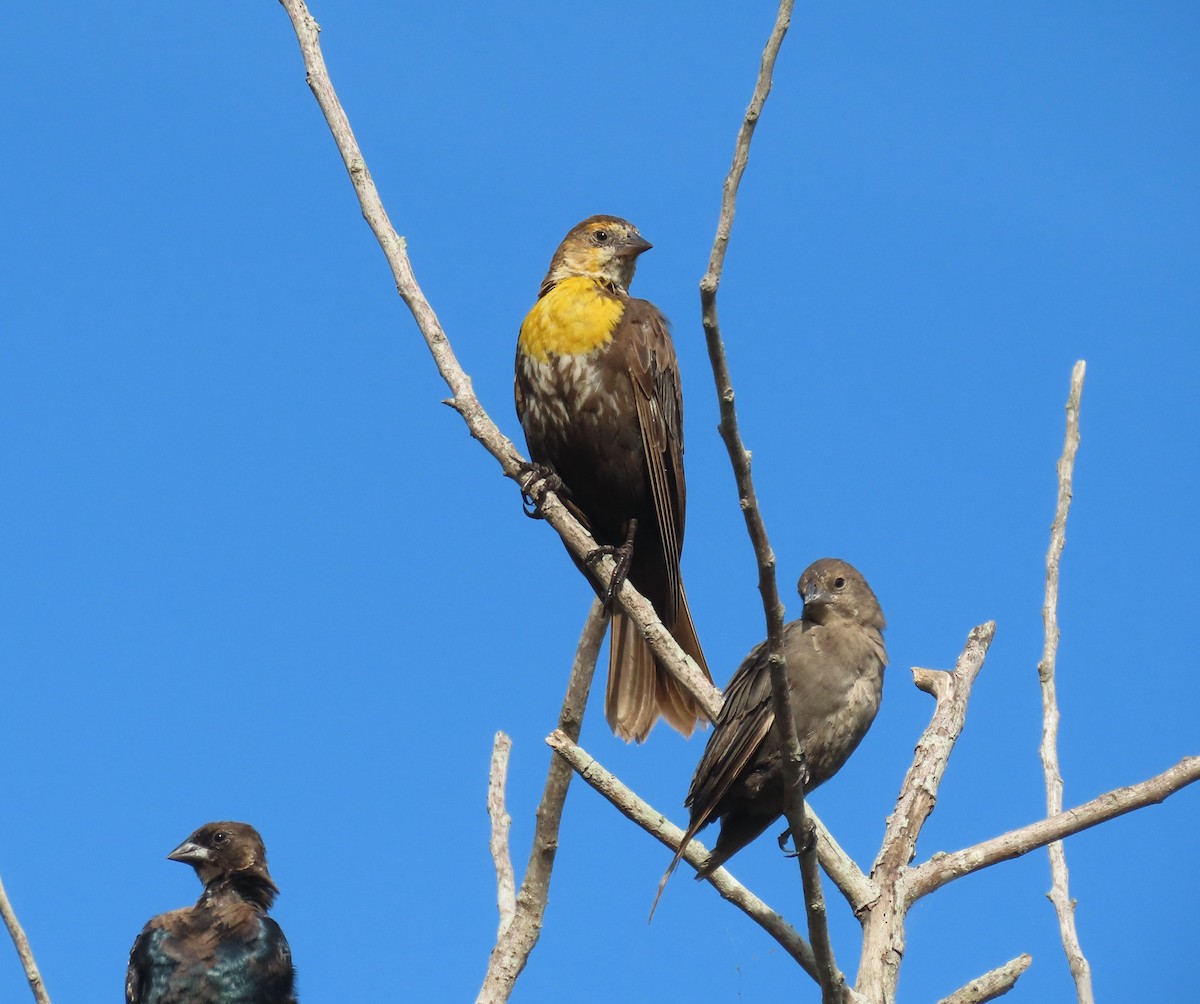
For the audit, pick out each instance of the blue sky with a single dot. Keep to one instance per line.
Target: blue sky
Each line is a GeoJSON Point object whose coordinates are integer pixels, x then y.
{"type": "Point", "coordinates": [253, 569]}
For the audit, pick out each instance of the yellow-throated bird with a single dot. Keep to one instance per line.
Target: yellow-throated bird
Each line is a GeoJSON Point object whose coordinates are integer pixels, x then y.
{"type": "Point", "coordinates": [597, 390]}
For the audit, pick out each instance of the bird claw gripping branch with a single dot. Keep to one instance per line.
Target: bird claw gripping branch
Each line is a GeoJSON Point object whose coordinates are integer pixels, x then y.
{"type": "Point", "coordinates": [810, 841]}
{"type": "Point", "coordinates": [539, 475]}
{"type": "Point", "coordinates": [623, 556]}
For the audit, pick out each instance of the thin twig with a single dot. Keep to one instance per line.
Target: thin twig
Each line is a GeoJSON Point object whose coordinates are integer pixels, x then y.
{"type": "Point", "coordinates": [741, 151]}
{"type": "Point", "coordinates": [506, 887]}
{"type": "Point", "coordinates": [739, 456]}
{"type": "Point", "coordinates": [1060, 894]}
{"type": "Point", "coordinates": [666, 832]}
{"type": "Point", "coordinates": [992, 984]}
{"type": "Point", "coordinates": [464, 401]}
{"type": "Point", "coordinates": [832, 980]}
{"type": "Point", "coordinates": [24, 952]}
{"type": "Point", "coordinates": [516, 941]}
{"type": "Point", "coordinates": [943, 867]}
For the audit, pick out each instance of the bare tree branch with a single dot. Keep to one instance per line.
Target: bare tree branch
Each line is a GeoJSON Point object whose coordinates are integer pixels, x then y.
{"type": "Point", "coordinates": [995, 983]}
{"type": "Point", "coordinates": [830, 978]}
{"type": "Point", "coordinates": [480, 425]}
{"type": "Point", "coordinates": [516, 941]}
{"type": "Point", "coordinates": [883, 923]}
{"type": "Point", "coordinates": [918, 794]}
{"type": "Point", "coordinates": [741, 154]}
{"type": "Point", "coordinates": [880, 900]}
{"type": "Point", "coordinates": [858, 890]}
{"type": "Point", "coordinates": [24, 952]}
{"type": "Point", "coordinates": [506, 887]}
{"type": "Point", "coordinates": [1060, 894]}
{"type": "Point", "coordinates": [464, 400]}
{"type": "Point", "coordinates": [943, 868]}
{"type": "Point", "coordinates": [667, 833]}
{"type": "Point", "coordinates": [900, 885]}
{"type": "Point", "coordinates": [739, 456]}
{"type": "Point", "coordinates": [832, 981]}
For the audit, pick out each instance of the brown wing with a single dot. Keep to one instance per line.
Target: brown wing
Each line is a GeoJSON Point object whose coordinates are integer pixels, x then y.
{"type": "Point", "coordinates": [648, 357]}
{"type": "Point", "coordinates": [740, 730]}
{"type": "Point", "coordinates": [654, 372]}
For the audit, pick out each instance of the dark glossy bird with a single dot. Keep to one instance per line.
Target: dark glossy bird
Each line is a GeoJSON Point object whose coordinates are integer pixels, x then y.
{"type": "Point", "coordinates": [597, 393]}
{"type": "Point", "coordinates": [835, 660]}
{"type": "Point", "coordinates": [225, 949]}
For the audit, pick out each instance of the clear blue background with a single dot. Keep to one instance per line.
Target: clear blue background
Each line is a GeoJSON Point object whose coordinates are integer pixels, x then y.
{"type": "Point", "coordinates": [251, 567]}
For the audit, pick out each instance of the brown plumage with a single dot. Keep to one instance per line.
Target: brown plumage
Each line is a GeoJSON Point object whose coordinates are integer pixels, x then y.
{"type": "Point", "coordinates": [225, 949]}
{"type": "Point", "coordinates": [835, 661]}
{"type": "Point", "coordinates": [597, 392]}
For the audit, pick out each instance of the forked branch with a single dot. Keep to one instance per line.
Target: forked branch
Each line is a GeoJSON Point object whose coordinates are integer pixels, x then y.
{"type": "Point", "coordinates": [943, 868]}
{"type": "Point", "coordinates": [517, 938]}
{"type": "Point", "coordinates": [662, 829]}
{"type": "Point", "coordinates": [883, 920]}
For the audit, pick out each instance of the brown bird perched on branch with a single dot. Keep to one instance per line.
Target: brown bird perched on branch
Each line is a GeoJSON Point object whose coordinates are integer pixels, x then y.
{"type": "Point", "coordinates": [225, 949]}
{"type": "Point", "coordinates": [597, 392]}
{"type": "Point", "coordinates": [835, 660]}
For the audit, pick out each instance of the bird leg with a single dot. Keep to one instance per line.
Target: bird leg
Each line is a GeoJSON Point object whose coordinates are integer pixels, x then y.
{"type": "Point", "coordinates": [531, 474]}
{"type": "Point", "coordinates": [810, 838]}
{"type": "Point", "coordinates": [623, 556]}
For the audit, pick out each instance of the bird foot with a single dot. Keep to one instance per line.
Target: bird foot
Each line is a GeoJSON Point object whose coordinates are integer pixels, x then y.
{"type": "Point", "coordinates": [533, 474]}
{"type": "Point", "coordinates": [810, 841]}
{"type": "Point", "coordinates": [623, 556]}
{"type": "Point", "coordinates": [782, 840]}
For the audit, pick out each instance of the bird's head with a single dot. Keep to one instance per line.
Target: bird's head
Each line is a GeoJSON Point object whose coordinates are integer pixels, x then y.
{"type": "Point", "coordinates": [602, 248]}
{"type": "Point", "coordinates": [226, 851]}
{"type": "Point", "coordinates": [832, 588]}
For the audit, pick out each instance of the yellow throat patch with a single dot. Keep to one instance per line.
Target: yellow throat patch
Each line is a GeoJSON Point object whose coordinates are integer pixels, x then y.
{"type": "Point", "coordinates": [574, 318]}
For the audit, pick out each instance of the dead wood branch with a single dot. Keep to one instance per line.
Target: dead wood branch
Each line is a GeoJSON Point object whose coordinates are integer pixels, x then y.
{"type": "Point", "coordinates": [517, 939]}
{"type": "Point", "coordinates": [24, 952]}
{"type": "Point", "coordinates": [992, 984]}
{"type": "Point", "coordinates": [662, 829]}
{"type": "Point", "coordinates": [1060, 894]}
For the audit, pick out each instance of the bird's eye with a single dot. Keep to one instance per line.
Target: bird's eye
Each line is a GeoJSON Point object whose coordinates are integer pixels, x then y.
{"type": "Point", "coordinates": [601, 236]}
{"type": "Point", "coordinates": [220, 837]}
{"type": "Point", "coordinates": [839, 583]}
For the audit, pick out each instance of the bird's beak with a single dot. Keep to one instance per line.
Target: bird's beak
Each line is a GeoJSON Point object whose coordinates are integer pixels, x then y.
{"type": "Point", "coordinates": [631, 247]}
{"type": "Point", "coordinates": [815, 596]}
{"type": "Point", "coordinates": [189, 853]}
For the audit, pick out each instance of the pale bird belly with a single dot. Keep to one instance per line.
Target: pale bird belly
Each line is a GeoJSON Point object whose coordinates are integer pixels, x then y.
{"type": "Point", "coordinates": [843, 730]}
